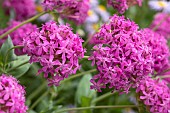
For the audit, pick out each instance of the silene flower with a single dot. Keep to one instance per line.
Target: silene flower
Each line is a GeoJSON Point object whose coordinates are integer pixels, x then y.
{"type": "Point", "coordinates": [23, 8]}
{"type": "Point", "coordinates": [18, 35]}
{"type": "Point", "coordinates": [12, 95]}
{"type": "Point", "coordinates": [120, 54]}
{"type": "Point", "coordinates": [160, 50]}
{"type": "Point", "coordinates": [160, 24]}
{"type": "Point", "coordinates": [57, 49]}
{"type": "Point", "coordinates": [122, 5]}
{"type": "Point", "coordinates": [155, 94]}
{"type": "Point", "coordinates": [75, 10]}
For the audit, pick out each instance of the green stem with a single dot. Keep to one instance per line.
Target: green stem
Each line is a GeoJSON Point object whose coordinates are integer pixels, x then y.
{"type": "Point", "coordinates": [106, 95]}
{"type": "Point", "coordinates": [140, 108]}
{"type": "Point", "coordinates": [37, 91]}
{"type": "Point", "coordinates": [78, 75]}
{"type": "Point", "coordinates": [30, 97]}
{"type": "Point", "coordinates": [55, 16]}
{"type": "Point", "coordinates": [18, 66]}
{"type": "Point", "coordinates": [96, 107]}
{"type": "Point", "coordinates": [23, 23]}
{"type": "Point", "coordinates": [7, 54]}
{"type": "Point", "coordinates": [39, 99]}
{"type": "Point", "coordinates": [86, 42]}
{"type": "Point", "coordinates": [86, 57]}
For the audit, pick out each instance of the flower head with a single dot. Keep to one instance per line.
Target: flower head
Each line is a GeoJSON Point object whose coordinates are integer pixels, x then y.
{"type": "Point", "coordinates": [12, 95]}
{"type": "Point", "coordinates": [160, 50]}
{"type": "Point", "coordinates": [160, 23]}
{"type": "Point", "coordinates": [123, 5]}
{"type": "Point", "coordinates": [155, 94]}
{"type": "Point", "coordinates": [121, 55]}
{"type": "Point", "coordinates": [57, 49]}
{"type": "Point", "coordinates": [18, 35]}
{"type": "Point", "coordinates": [23, 8]}
{"type": "Point", "coordinates": [75, 10]}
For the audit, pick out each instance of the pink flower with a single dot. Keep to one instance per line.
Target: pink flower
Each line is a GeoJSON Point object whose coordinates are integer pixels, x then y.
{"type": "Point", "coordinates": [23, 8]}
{"type": "Point", "coordinates": [121, 55]}
{"type": "Point", "coordinates": [75, 10]}
{"type": "Point", "coordinates": [12, 95]}
{"type": "Point", "coordinates": [160, 50]}
{"type": "Point", "coordinates": [155, 94]}
{"type": "Point", "coordinates": [18, 35]}
{"type": "Point", "coordinates": [123, 5]}
{"type": "Point", "coordinates": [161, 22]}
{"type": "Point", "coordinates": [57, 49]}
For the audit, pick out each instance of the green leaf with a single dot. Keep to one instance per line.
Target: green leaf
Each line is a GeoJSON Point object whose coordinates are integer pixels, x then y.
{"type": "Point", "coordinates": [84, 90]}
{"type": "Point", "coordinates": [4, 49]}
{"type": "Point", "coordinates": [20, 70]}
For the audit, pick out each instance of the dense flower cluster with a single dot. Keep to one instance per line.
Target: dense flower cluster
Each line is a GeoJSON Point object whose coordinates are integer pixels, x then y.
{"type": "Point", "coordinates": [160, 50]}
{"type": "Point", "coordinates": [57, 49]}
{"type": "Point", "coordinates": [123, 5]}
{"type": "Point", "coordinates": [18, 35]}
{"type": "Point", "coordinates": [160, 24]}
{"type": "Point", "coordinates": [122, 56]}
{"type": "Point", "coordinates": [75, 10]}
{"type": "Point", "coordinates": [12, 95]}
{"type": "Point", "coordinates": [23, 8]}
{"type": "Point", "coordinates": [155, 94]}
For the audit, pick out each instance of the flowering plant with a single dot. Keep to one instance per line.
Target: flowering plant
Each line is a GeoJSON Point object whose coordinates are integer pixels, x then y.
{"type": "Point", "coordinates": [82, 56]}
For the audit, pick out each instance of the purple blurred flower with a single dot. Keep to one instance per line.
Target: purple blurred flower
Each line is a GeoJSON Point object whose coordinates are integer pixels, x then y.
{"type": "Point", "coordinates": [121, 55]}
{"type": "Point", "coordinates": [18, 35]}
{"type": "Point", "coordinates": [160, 50]}
{"type": "Point", "coordinates": [75, 10]}
{"type": "Point", "coordinates": [161, 22]}
{"type": "Point", "coordinates": [155, 94]}
{"type": "Point", "coordinates": [23, 8]}
{"type": "Point", "coordinates": [12, 95]}
{"type": "Point", "coordinates": [123, 5]}
{"type": "Point", "coordinates": [57, 49]}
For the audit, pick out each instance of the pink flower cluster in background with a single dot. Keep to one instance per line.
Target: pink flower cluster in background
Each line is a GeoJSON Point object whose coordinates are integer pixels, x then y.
{"type": "Point", "coordinates": [18, 35]}
{"type": "Point", "coordinates": [57, 49]}
{"type": "Point", "coordinates": [23, 8]}
{"type": "Point", "coordinates": [160, 50]}
{"type": "Point", "coordinates": [155, 94]}
{"type": "Point", "coordinates": [75, 10]}
{"type": "Point", "coordinates": [161, 23]}
{"type": "Point", "coordinates": [122, 5]}
{"type": "Point", "coordinates": [12, 95]}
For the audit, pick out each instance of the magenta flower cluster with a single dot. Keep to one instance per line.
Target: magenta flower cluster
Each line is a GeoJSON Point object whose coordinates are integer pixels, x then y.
{"type": "Point", "coordinates": [121, 55]}
{"type": "Point", "coordinates": [12, 95]}
{"type": "Point", "coordinates": [155, 94]}
{"type": "Point", "coordinates": [122, 5]}
{"type": "Point", "coordinates": [18, 35]}
{"type": "Point", "coordinates": [57, 49]}
{"type": "Point", "coordinates": [160, 50]}
{"type": "Point", "coordinates": [75, 10]}
{"type": "Point", "coordinates": [161, 24]}
{"type": "Point", "coordinates": [23, 8]}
